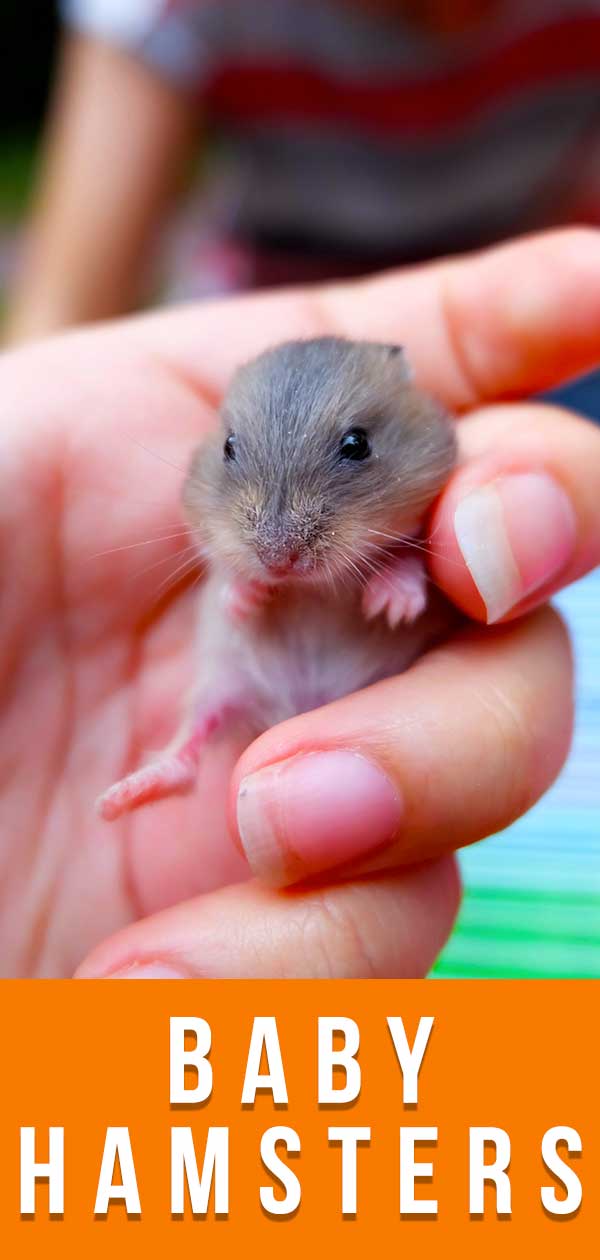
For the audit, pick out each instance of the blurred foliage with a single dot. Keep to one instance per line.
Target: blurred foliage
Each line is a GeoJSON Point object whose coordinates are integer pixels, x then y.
{"type": "Point", "coordinates": [27, 47]}
{"type": "Point", "coordinates": [17, 161]}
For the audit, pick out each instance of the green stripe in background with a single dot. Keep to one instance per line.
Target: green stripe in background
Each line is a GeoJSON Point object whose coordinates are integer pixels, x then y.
{"type": "Point", "coordinates": [532, 894]}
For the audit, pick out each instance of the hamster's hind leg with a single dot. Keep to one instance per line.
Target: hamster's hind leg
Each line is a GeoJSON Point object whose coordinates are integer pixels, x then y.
{"type": "Point", "coordinates": [173, 771]}
{"type": "Point", "coordinates": [398, 590]}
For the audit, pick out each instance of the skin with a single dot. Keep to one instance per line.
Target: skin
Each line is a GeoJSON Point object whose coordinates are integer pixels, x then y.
{"type": "Point", "coordinates": [93, 660]}
{"type": "Point", "coordinates": [89, 237]}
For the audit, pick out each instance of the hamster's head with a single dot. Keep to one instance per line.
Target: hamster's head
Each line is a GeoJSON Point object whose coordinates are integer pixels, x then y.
{"type": "Point", "coordinates": [327, 454]}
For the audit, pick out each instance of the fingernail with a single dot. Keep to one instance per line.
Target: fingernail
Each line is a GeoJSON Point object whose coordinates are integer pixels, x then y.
{"type": "Point", "coordinates": [515, 535]}
{"type": "Point", "coordinates": [147, 971]}
{"type": "Point", "coordinates": [315, 811]}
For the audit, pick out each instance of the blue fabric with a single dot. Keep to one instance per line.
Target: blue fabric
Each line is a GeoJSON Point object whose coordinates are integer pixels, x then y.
{"type": "Point", "coordinates": [582, 395]}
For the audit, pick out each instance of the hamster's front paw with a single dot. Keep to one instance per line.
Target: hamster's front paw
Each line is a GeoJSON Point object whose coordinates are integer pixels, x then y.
{"type": "Point", "coordinates": [399, 591]}
{"type": "Point", "coordinates": [243, 598]}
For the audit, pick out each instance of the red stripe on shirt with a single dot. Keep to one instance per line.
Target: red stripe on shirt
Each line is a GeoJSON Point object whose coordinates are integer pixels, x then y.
{"type": "Point", "coordinates": [263, 90]}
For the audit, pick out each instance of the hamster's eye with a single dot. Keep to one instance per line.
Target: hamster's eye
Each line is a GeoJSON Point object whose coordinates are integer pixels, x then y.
{"type": "Point", "coordinates": [355, 445]}
{"type": "Point", "coordinates": [229, 447]}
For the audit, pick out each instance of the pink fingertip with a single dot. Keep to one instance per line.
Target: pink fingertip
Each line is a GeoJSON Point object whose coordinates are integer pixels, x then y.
{"type": "Point", "coordinates": [313, 812]}
{"type": "Point", "coordinates": [516, 535]}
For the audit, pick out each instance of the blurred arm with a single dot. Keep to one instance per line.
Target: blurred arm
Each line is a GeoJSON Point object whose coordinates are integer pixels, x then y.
{"type": "Point", "coordinates": [115, 145]}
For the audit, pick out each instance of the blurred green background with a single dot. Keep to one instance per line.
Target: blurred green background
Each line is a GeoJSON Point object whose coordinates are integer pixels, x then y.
{"type": "Point", "coordinates": [29, 32]}
{"type": "Point", "coordinates": [532, 894]}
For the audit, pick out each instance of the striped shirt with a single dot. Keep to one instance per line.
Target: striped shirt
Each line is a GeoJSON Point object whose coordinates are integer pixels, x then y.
{"type": "Point", "coordinates": [350, 137]}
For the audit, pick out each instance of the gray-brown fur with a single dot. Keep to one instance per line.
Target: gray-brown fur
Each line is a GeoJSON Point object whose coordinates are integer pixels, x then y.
{"type": "Point", "coordinates": [287, 489]}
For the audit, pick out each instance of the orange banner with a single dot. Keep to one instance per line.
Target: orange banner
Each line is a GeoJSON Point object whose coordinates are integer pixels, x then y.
{"type": "Point", "coordinates": [289, 1116]}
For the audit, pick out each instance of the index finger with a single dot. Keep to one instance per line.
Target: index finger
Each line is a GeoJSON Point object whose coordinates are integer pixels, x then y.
{"type": "Point", "coordinates": [503, 322]}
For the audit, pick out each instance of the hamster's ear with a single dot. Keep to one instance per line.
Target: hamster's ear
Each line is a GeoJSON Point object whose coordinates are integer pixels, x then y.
{"type": "Point", "coordinates": [396, 355]}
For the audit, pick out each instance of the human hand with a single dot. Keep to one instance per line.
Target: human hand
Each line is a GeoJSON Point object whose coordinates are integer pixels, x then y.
{"type": "Point", "coordinates": [95, 657]}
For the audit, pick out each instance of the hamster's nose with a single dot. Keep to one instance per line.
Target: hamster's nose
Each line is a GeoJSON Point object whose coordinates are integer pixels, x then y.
{"type": "Point", "coordinates": [278, 560]}
{"type": "Point", "coordinates": [282, 565]}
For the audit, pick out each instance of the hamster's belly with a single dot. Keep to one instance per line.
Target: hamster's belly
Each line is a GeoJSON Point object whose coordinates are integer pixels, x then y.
{"type": "Point", "coordinates": [307, 649]}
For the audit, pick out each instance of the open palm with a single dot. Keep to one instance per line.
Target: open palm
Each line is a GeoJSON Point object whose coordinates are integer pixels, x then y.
{"type": "Point", "coordinates": [96, 616]}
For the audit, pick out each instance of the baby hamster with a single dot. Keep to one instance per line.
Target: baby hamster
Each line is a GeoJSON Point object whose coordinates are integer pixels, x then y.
{"type": "Point", "coordinates": [307, 507]}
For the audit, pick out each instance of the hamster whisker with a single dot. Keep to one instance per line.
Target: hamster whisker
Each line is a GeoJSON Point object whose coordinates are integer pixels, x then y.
{"type": "Point", "coordinates": [349, 560]}
{"type": "Point", "coordinates": [350, 566]}
{"type": "Point", "coordinates": [389, 568]}
{"type": "Point", "coordinates": [376, 558]}
{"type": "Point", "coordinates": [395, 542]}
{"type": "Point", "coordinates": [336, 570]}
{"type": "Point", "coordinates": [354, 569]}
{"type": "Point", "coordinates": [434, 532]}
{"type": "Point", "coordinates": [404, 541]}
{"type": "Point", "coordinates": [156, 455]}
{"type": "Point", "coordinates": [187, 566]}
{"type": "Point", "coordinates": [385, 557]}
{"type": "Point", "coordinates": [145, 542]}
{"type": "Point", "coordinates": [157, 564]}
{"type": "Point", "coordinates": [329, 577]}
{"type": "Point", "coordinates": [373, 566]}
